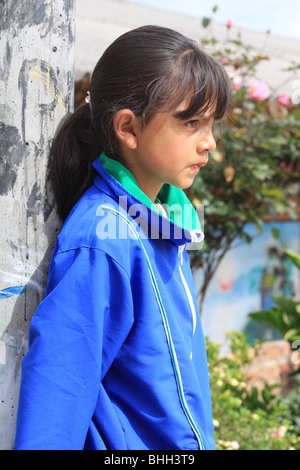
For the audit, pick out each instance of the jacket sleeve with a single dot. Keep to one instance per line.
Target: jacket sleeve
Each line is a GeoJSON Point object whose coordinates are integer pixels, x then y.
{"type": "Point", "coordinates": [75, 334]}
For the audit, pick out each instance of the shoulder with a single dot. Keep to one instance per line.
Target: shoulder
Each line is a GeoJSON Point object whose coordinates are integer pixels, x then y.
{"type": "Point", "coordinates": [79, 229]}
{"type": "Point", "coordinates": [90, 226]}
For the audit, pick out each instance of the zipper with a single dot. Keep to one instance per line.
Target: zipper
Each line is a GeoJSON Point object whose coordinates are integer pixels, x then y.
{"type": "Point", "coordinates": [165, 321]}
{"type": "Point", "coordinates": [187, 289]}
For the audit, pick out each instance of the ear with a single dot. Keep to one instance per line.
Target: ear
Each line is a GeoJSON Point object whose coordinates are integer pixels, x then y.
{"type": "Point", "coordinates": [125, 124]}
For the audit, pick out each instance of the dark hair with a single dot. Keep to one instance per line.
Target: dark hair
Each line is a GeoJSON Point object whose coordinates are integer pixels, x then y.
{"type": "Point", "coordinates": [146, 70]}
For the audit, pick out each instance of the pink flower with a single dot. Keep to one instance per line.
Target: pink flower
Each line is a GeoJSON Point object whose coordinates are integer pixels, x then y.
{"type": "Point", "coordinates": [236, 83]}
{"type": "Point", "coordinates": [225, 60]}
{"type": "Point", "coordinates": [258, 90]}
{"type": "Point", "coordinates": [235, 445]}
{"type": "Point", "coordinates": [229, 23]}
{"type": "Point", "coordinates": [284, 98]}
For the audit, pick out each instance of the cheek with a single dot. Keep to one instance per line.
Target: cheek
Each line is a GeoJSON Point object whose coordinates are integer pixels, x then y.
{"type": "Point", "coordinates": [162, 149]}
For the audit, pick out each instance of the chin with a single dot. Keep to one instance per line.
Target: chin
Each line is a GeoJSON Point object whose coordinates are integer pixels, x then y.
{"type": "Point", "coordinates": [183, 186]}
{"type": "Point", "coordinates": [186, 185]}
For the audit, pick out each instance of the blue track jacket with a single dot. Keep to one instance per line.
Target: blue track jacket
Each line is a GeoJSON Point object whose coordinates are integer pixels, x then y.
{"type": "Point", "coordinates": [117, 358]}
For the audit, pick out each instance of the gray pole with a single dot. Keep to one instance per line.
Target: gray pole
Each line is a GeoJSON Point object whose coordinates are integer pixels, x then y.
{"type": "Point", "coordinates": [36, 93]}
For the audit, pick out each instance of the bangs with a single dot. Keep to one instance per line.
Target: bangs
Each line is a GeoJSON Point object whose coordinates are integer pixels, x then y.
{"type": "Point", "coordinates": [198, 79]}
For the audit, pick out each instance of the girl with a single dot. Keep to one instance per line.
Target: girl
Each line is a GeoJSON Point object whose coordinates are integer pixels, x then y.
{"type": "Point", "coordinates": [117, 357]}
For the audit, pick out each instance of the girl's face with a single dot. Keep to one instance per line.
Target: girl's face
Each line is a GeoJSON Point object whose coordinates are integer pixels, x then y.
{"type": "Point", "coordinates": [170, 150]}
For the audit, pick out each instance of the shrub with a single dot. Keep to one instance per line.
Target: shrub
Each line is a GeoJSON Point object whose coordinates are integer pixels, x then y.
{"type": "Point", "coordinates": [245, 419]}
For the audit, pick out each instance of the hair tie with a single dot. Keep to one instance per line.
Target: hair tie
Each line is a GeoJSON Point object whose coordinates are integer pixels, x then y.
{"type": "Point", "coordinates": [88, 98]}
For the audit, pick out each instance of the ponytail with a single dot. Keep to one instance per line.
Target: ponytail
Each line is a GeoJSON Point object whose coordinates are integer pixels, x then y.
{"type": "Point", "coordinates": [72, 152]}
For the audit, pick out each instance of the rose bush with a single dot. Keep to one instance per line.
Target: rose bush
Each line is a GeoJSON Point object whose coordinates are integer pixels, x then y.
{"type": "Point", "coordinates": [255, 171]}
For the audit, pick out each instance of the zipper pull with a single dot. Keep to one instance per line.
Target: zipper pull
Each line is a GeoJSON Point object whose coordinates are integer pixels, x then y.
{"type": "Point", "coordinates": [180, 253]}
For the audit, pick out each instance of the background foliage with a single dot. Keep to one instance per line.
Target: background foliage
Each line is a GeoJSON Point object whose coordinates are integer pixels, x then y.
{"type": "Point", "coordinates": [254, 172]}
{"type": "Point", "coordinates": [244, 418]}
{"type": "Point", "coordinates": [284, 316]}
{"type": "Point", "coordinates": [252, 176]}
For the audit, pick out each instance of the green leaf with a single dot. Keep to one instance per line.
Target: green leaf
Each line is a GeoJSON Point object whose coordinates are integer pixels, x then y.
{"type": "Point", "coordinates": [267, 394]}
{"type": "Point", "coordinates": [272, 318]}
{"type": "Point", "coordinates": [293, 257]}
{"type": "Point", "coordinates": [258, 228]}
{"type": "Point", "coordinates": [237, 42]}
{"type": "Point", "coordinates": [293, 334]}
{"type": "Point", "coordinates": [274, 192]}
{"type": "Point", "coordinates": [275, 233]}
{"type": "Point", "coordinates": [205, 22]}
{"type": "Point", "coordinates": [296, 113]}
{"type": "Point", "coordinates": [287, 305]}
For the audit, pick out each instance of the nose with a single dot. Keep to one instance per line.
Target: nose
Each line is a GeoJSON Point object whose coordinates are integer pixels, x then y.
{"type": "Point", "coordinates": [207, 143]}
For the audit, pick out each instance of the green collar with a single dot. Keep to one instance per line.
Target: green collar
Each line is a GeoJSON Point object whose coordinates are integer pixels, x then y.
{"type": "Point", "coordinates": [177, 205]}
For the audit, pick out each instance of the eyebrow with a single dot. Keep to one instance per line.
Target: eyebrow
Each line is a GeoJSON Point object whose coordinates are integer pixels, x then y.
{"type": "Point", "coordinates": [180, 115]}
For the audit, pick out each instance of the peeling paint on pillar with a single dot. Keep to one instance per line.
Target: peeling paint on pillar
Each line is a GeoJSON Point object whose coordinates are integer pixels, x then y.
{"type": "Point", "coordinates": [36, 94]}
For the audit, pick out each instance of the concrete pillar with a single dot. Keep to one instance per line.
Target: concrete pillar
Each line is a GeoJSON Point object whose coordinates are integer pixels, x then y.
{"type": "Point", "coordinates": [36, 93]}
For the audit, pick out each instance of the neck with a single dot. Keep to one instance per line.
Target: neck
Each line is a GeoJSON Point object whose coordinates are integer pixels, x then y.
{"type": "Point", "coordinates": [150, 190]}
{"type": "Point", "coordinates": [146, 184]}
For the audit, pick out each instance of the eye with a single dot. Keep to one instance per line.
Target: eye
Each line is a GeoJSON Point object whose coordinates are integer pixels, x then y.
{"type": "Point", "coordinates": [192, 124]}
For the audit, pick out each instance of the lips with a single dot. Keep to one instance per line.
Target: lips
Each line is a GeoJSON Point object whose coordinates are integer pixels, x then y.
{"type": "Point", "coordinates": [197, 166]}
